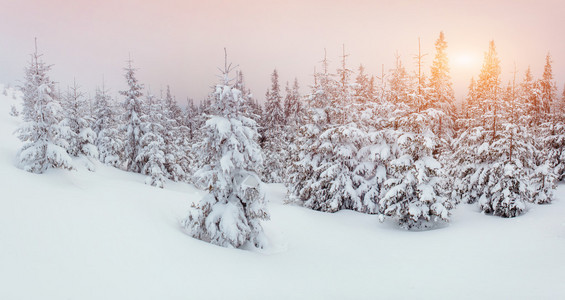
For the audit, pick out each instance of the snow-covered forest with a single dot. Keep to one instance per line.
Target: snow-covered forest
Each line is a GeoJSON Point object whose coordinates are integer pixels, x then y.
{"type": "Point", "coordinates": [393, 148]}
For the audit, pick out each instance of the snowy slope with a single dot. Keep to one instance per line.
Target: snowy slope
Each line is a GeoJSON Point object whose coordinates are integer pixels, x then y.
{"type": "Point", "coordinates": [107, 235]}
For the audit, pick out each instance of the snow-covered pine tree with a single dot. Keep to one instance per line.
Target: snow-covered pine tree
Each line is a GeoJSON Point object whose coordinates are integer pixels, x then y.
{"type": "Point", "coordinates": [470, 160]}
{"type": "Point", "coordinates": [82, 138]}
{"type": "Point", "coordinates": [442, 96]}
{"type": "Point", "coordinates": [363, 88]}
{"type": "Point", "coordinates": [273, 134]}
{"type": "Point", "coordinates": [189, 120]}
{"type": "Point", "coordinates": [506, 179]}
{"type": "Point", "coordinates": [177, 162]}
{"type": "Point", "coordinates": [371, 171]}
{"type": "Point", "coordinates": [551, 146]}
{"type": "Point", "coordinates": [551, 138]}
{"type": "Point", "coordinates": [374, 118]}
{"type": "Point", "coordinates": [494, 161]}
{"type": "Point", "coordinates": [231, 214]}
{"type": "Point", "coordinates": [133, 105]}
{"type": "Point", "coordinates": [531, 92]}
{"type": "Point", "coordinates": [304, 166]}
{"type": "Point", "coordinates": [335, 187]}
{"type": "Point", "coordinates": [293, 105]}
{"type": "Point", "coordinates": [322, 176]}
{"type": "Point", "coordinates": [548, 86]}
{"type": "Point", "coordinates": [151, 156]}
{"type": "Point", "coordinates": [555, 138]}
{"type": "Point", "coordinates": [294, 116]}
{"type": "Point", "coordinates": [536, 119]}
{"type": "Point", "coordinates": [415, 190]}
{"type": "Point", "coordinates": [43, 134]}
{"type": "Point", "coordinates": [105, 126]}
{"type": "Point", "coordinates": [173, 111]}
{"type": "Point", "coordinates": [203, 110]}
{"type": "Point", "coordinates": [399, 84]}
{"type": "Point", "coordinates": [251, 108]}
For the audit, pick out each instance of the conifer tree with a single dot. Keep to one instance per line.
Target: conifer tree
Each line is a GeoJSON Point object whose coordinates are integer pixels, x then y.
{"type": "Point", "coordinates": [495, 162]}
{"type": "Point", "coordinates": [441, 90]}
{"type": "Point", "coordinates": [292, 104]}
{"type": "Point", "coordinates": [273, 133]}
{"type": "Point", "coordinates": [551, 138]}
{"type": "Point", "coordinates": [44, 137]}
{"type": "Point", "coordinates": [105, 126]}
{"type": "Point", "coordinates": [294, 116]}
{"type": "Point", "coordinates": [363, 90]}
{"type": "Point", "coordinates": [190, 119]}
{"type": "Point", "coordinates": [322, 176]}
{"type": "Point", "coordinates": [82, 137]}
{"type": "Point", "coordinates": [151, 155]}
{"type": "Point", "coordinates": [531, 92]}
{"type": "Point", "coordinates": [133, 106]}
{"type": "Point", "coordinates": [251, 107]}
{"type": "Point", "coordinates": [274, 114]}
{"type": "Point", "coordinates": [415, 190]}
{"type": "Point", "coordinates": [175, 138]}
{"type": "Point", "coordinates": [231, 214]}
{"type": "Point", "coordinates": [399, 84]}
{"type": "Point", "coordinates": [548, 86]}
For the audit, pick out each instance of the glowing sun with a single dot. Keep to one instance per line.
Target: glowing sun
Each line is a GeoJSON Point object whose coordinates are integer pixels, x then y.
{"type": "Point", "coordinates": [465, 60]}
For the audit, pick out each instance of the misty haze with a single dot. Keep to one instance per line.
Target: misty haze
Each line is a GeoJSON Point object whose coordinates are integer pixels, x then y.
{"type": "Point", "coordinates": [294, 150]}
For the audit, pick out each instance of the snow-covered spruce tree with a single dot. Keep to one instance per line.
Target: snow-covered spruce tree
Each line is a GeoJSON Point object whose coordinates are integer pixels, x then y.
{"type": "Point", "coordinates": [132, 123]}
{"type": "Point", "coordinates": [294, 116]}
{"type": "Point", "coordinates": [105, 126]}
{"type": "Point", "coordinates": [373, 116]}
{"type": "Point", "coordinates": [399, 84]}
{"type": "Point", "coordinates": [44, 137]}
{"type": "Point", "coordinates": [175, 136]}
{"type": "Point", "coordinates": [532, 98]}
{"type": "Point", "coordinates": [370, 173]}
{"type": "Point", "coordinates": [469, 164]}
{"type": "Point", "coordinates": [231, 213]}
{"type": "Point", "coordinates": [322, 176]}
{"type": "Point", "coordinates": [364, 88]}
{"type": "Point", "coordinates": [332, 185]}
{"type": "Point", "coordinates": [494, 162]}
{"type": "Point", "coordinates": [442, 97]}
{"type": "Point", "coordinates": [151, 154]}
{"type": "Point", "coordinates": [554, 138]}
{"type": "Point", "coordinates": [82, 137]}
{"type": "Point", "coordinates": [189, 119]}
{"type": "Point", "coordinates": [292, 105]}
{"type": "Point", "coordinates": [548, 86]}
{"type": "Point", "coordinates": [542, 179]}
{"type": "Point", "coordinates": [551, 138]}
{"type": "Point", "coordinates": [273, 133]}
{"type": "Point", "coordinates": [533, 113]}
{"type": "Point", "coordinates": [304, 167]}
{"type": "Point", "coordinates": [251, 108]}
{"type": "Point", "coordinates": [415, 191]}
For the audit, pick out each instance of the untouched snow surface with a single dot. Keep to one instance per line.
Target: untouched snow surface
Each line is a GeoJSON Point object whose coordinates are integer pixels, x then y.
{"type": "Point", "coordinates": [107, 235]}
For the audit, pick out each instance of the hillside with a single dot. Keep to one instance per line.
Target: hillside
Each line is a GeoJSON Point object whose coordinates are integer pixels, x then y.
{"type": "Point", "coordinates": [107, 235]}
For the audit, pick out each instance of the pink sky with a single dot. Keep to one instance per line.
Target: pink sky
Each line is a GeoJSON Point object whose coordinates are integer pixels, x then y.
{"type": "Point", "coordinates": [180, 43]}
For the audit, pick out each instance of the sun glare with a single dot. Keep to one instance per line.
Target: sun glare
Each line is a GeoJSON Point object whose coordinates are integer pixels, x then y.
{"type": "Point", "coordinates": [465, 60]}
